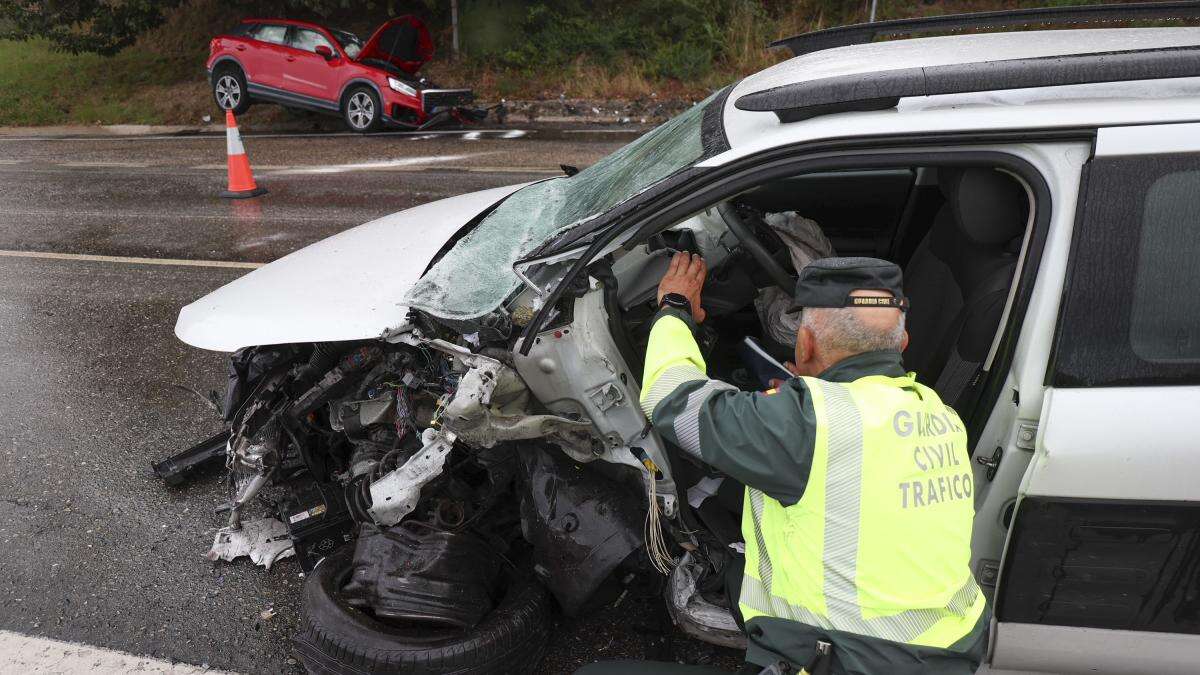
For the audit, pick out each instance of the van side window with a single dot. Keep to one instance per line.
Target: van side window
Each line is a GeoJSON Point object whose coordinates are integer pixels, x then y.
{"type": "Point", "coordinates": [1131, 311]}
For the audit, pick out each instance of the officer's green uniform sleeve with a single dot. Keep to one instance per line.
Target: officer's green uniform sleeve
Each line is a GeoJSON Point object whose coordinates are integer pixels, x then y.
{"type": "Point", "coordinates": [762, 440]}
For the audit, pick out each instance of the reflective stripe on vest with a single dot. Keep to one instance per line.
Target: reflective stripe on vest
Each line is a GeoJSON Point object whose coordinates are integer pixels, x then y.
{"type": "Point", "coordinates": [819, 537]}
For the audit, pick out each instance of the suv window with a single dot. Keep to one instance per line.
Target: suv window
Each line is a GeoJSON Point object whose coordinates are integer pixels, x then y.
{"type": "Point", "coordinates": [270, 33]}
{"type": "Point", "coordinates": [1131, 314]}
{"type": "Point", "coordinates": [303, 38]}
{"type": "Point", "coordinates": [1165, 325]}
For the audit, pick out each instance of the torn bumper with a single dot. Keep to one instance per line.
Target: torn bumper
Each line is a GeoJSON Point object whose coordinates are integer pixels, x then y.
{"type": "Point", "coordinates": [434, 101]}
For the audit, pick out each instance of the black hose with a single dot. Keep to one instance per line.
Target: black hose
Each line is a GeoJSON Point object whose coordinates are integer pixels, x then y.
{"type": "Point", "coordinates": [616, 322]}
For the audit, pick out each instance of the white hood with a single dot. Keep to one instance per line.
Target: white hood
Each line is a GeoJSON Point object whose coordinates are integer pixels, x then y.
{"type": "Point", "coordinates": [345, 287]}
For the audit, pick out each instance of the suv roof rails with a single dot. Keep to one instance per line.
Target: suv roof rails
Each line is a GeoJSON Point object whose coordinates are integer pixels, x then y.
{"type": "Point", "coordinates": [861, 33]}
{"type": "Point", "coordinates": [883, 89]}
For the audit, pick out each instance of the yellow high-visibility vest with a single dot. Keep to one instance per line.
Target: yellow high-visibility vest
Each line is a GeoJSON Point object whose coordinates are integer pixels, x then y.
{"type": "Point", "coordinates": [880, 543]}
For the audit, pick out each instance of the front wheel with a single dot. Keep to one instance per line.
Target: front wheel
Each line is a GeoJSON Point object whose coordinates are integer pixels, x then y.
{"type": "Point", "coordinates": [338, 639]}
{"type": "Point", "coordinates": [361, 110]}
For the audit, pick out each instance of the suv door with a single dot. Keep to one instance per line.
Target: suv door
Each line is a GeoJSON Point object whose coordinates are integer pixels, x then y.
{"type": "Point", "coordinates": [264, 58]}
{"type": "Point", "coordinates": [306, 72]}
{"type": "Point", "coordinates": [1101, 572]}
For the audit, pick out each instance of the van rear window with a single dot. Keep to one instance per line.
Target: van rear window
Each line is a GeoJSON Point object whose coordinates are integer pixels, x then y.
{"type": "Point", "coordinates": [1131, 311]}
{"type": "Point", "coordinates": [1165, 323]}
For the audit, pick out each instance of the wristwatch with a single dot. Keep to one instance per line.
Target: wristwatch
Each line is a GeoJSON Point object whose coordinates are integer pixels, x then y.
{"type": "Point", "coordinates": [676, 300]}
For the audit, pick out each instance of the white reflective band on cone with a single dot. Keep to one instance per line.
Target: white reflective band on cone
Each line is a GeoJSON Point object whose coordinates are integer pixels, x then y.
{"type": "Point", "coordinates": [233, 142]}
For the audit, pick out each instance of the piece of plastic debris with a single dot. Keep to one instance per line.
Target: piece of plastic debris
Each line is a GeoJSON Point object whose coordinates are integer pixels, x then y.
{"type": "Point", "coordinates": [267, 613]}
{"type": "Point", "coordinates": [265, 540]}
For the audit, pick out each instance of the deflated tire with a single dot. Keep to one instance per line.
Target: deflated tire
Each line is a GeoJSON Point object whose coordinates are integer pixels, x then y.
{"type": "Point", "coordinates": [336, 638]}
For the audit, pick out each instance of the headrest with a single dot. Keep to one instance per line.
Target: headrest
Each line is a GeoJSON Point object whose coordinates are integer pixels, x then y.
{"type": "Point", "coordinates": [989, 206]}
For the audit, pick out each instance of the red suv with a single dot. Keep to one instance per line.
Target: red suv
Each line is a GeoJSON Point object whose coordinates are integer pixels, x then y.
{"type": "Point", "coordinates": [302, 65]}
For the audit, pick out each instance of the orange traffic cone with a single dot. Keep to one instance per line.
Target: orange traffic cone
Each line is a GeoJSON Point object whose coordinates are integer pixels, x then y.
{"type": "Point", "coordinates": [241, 179]}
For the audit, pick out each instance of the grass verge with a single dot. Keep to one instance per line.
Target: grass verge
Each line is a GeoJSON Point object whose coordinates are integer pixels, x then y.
{"type": "Point", "coordinates": [39, 86]}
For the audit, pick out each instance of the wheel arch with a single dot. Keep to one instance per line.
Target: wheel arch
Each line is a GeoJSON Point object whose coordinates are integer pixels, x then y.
{"type": "Point", "coordinates": [352, 83]}
{"type": "Point", "coordinates": [225, 60]}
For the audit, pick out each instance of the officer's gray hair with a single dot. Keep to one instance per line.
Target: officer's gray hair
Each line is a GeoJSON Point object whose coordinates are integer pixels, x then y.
{"type": "Point", "coordinates": [840, 328]}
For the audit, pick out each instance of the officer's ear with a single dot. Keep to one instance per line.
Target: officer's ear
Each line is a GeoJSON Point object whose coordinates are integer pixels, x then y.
{"type": "Point", "coordinates": [904, 342]}
{"type": "Point", "coordinates": [805, 346]}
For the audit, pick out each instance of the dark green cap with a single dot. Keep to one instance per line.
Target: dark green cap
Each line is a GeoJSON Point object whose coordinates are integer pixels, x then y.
{"type": "Point", "coordinates": [828, 282]}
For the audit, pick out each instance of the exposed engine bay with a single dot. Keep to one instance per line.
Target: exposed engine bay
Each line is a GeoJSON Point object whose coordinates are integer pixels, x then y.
{"type": "Point", "coordinates": [435, 481]}
{"type": "Point", "coordinates": [439, 466]}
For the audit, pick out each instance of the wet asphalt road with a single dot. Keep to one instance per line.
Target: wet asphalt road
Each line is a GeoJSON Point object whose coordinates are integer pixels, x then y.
{"type": "Point", "coordinates": [96, 549]}
{"type": "Point", "coordinates": [159, 197]}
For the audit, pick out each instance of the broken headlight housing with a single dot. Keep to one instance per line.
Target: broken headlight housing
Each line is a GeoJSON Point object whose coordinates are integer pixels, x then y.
{"type": "Point", "coordinates": [400, 86]}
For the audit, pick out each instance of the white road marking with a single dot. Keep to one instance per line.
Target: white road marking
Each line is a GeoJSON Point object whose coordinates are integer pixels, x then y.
{"type": "Point", "coordinates": [104, 165]}
{"type": "Point", "coordinates": [413, 167]}
{"type": "Point", "coordinates": [46, 255]}
{"type": "Point", "coordinates": [28, 654]}
{"type": "Point", "coordinates": [385, 164]}
{"type": "Point", "coordinates": [601, 131]}
{"type": "Point", "coordinates": [211, 135]}
{"type": "Point", "coordinates": [130, 214]}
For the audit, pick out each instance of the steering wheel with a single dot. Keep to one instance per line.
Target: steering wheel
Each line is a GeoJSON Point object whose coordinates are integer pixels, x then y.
{"type": "Point", "coordinates": [744, 231]}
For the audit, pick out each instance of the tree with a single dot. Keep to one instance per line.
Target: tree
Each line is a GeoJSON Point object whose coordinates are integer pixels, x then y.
{"type": "Point", "coordinates": [100, 26]}
{"type": "Point", "coordinates": [107, 26]}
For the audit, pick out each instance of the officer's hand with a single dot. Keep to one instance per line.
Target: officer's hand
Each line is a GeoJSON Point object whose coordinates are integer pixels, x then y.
{"type": "Point", "coordinates": [776, 382]}
{"type": "Point", "coordinates": [685, 276]}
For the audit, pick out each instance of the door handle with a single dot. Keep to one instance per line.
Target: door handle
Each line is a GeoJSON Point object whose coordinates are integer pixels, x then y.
{"type": "Point", "coordinates": [291, 58]}
{"type": "Point", "coordinates": [241, 48]}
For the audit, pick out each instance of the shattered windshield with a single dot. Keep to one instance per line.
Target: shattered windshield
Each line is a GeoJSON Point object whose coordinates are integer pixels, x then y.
{"type": "Point", "coordinates": [476, 276]}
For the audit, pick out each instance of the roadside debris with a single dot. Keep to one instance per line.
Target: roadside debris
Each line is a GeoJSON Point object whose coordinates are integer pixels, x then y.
{"type": "Point", "coordinates": [265, 540]}
{"type": "Point", "coordinates": [178, 468]}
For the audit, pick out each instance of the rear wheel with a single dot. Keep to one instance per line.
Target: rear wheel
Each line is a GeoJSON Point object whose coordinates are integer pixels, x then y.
{"type": "Point", "coordinates": [337, 639]}
{"type": "Point", "coordinates": [361, 110]}
{"type": "Point", "coordinates": [229, 89]}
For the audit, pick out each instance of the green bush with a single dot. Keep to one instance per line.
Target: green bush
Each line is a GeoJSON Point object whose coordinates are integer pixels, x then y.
{"type": "Point", "coordinates": [672, 38]}
{"type": "Point", "coordinates": [682, 61]}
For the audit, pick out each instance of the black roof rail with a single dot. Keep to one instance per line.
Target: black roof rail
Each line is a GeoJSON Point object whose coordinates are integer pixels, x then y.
{"type": "Point", "coordinates": [883, 89]}
{"type": "Point", "coordinates": [861, 33]}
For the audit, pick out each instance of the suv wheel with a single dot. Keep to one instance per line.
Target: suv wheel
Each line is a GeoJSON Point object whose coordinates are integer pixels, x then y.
{"type": "Point", "coordinates": [229, 89]}
{"type": "Point", "coordinates": [361, 110]}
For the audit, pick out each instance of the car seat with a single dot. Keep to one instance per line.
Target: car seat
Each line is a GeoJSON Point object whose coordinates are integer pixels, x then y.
{"type": "Point", "coordinates": [958, 279]}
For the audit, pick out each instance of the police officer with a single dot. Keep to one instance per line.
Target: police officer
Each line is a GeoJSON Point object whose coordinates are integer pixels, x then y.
{"type": "Point", "coordinates": [858, 502]}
